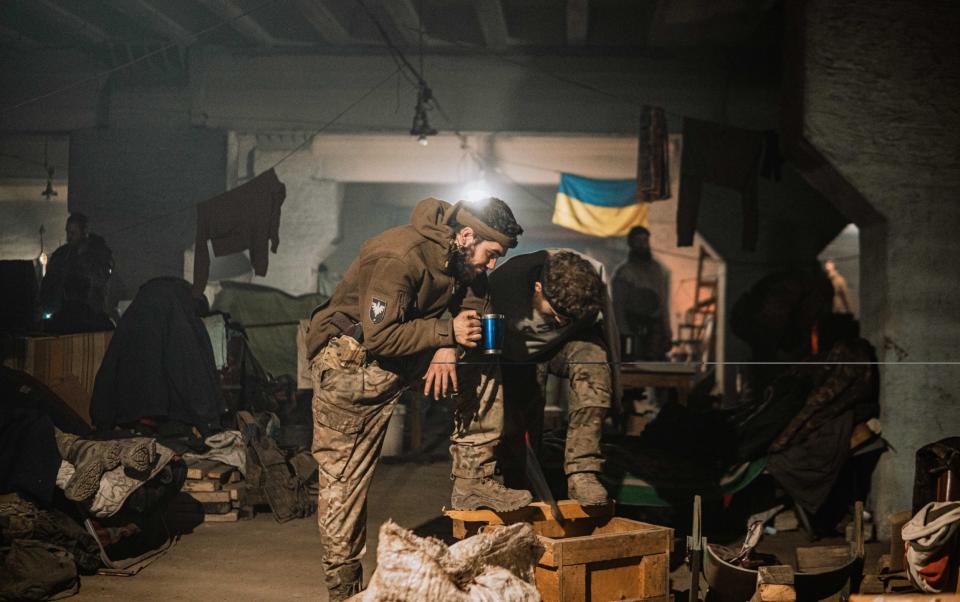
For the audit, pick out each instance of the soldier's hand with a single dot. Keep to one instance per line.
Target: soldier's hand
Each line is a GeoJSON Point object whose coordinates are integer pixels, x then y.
{"type": "Point", "coordinates": [441, 376]}
{"type": "Point", "coordinates": [466, 328]}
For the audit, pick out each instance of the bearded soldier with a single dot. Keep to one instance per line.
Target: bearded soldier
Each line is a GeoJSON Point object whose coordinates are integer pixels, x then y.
{"type": "Point", "coordinates": [385, 328]}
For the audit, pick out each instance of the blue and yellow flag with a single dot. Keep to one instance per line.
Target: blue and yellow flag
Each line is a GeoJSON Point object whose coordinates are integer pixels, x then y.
{"type": "Point", "coordinates": [599, 207]}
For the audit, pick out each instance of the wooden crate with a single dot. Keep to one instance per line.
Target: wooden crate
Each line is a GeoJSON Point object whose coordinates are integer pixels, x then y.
{"type": "Point", "coordinates": [621, 559]}
{"type": "Point", "coordinates": [68, 364]}
{"type": "Point", "coordinates": [590, 555]}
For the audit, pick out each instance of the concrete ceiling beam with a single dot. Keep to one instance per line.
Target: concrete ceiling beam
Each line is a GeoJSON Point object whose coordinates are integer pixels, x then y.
{"type": "Point", "coordinates": [324, 22]}
{"type": "Point", "coordinates": [74, 22]}
{"type": "Point", "coordinates": [493, 23]}
{"type": "Point", "coordinates": [406, 20]}
{"type": "Point", "coordinates": [242, 23]}
{"type": "Point", "coordinates": [146, 12]}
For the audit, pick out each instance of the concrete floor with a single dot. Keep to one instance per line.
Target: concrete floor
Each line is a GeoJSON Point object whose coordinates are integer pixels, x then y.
{"type": "Point", "coordinates": [259, 559]}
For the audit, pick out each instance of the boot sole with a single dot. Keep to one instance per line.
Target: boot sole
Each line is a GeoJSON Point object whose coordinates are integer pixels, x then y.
{"type": "Point", "coordinates": [583, 503]}
{"type": "Point", "coordinates": [463, 505]}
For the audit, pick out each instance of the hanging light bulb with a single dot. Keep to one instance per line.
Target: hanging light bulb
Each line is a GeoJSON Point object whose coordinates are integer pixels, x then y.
{"type": "Point", "coordinates": [421, 125]}
{"type": "Point", "coordinates": [48, 191]}
{"type": "Point", "coordinates": [476, 189]}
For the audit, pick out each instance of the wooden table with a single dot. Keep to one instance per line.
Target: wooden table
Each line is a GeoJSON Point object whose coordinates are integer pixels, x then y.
{"type": "Point", "coordinates": [671, 375]}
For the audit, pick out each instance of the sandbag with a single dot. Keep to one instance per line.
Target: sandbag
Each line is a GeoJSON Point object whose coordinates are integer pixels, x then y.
{"type": "Point", "coordinates": [496, 565]}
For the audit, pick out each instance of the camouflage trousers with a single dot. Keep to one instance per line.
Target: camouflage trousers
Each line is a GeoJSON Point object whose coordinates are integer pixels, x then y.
{"type": "Point", "coordinates": [584, 362]}
{"type": "Point", "coordinates": [353, 400]}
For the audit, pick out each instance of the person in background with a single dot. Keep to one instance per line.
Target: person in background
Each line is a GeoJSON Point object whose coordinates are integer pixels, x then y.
{"type": "Point", "coordinates": [557, 317]}
{"type": "Point", "coordinates": [86, 257]}
{"type": "Point", "coordinates": [384, 328]}
{"type": "Point", "coordinates": [641, 300]}
{"type": "Point", "coordinates": [841, 293]}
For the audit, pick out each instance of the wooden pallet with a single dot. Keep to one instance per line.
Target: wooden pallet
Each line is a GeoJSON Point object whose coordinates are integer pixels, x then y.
{"type": "Point", "coordinates": [213, 492]}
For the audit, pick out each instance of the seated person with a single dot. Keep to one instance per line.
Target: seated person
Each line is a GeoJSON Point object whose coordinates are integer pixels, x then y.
{"type": "Point", "coordinates": [552, 301]}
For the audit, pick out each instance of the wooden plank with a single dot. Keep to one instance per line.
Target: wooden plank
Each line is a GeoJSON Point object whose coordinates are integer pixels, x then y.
{"type": "Point", "coordinates": [548, 583]}
{"type": "Point", "coordinates": [462, 530]}
{"type": "Point", "coordinates": [212, 496]}
{"type": "Point", "coordinates": [595, 548]}
{"type": "Point", "coordinates": [222, 472]}
{"type": "Point", "coordinates": [573, 583]}
{"type": "Point", "coordinates": [615, 579]}
{"type": "Point", "coordinates": [568, 528]}
{"type": "Point", "coordinates": [779, 574]}
{"type": "Point", "coordinates": [199, 469]}
{"type": "Point", "coordinates": [897, 549]}
{"type": "Point", "coordinates": [237, 491]}
{"type": "Point", "coordinates": [655, 575]}
{"type": "Point", "coordinates": [775, 584]}
{"type": "Point", "coordinates": [229, 517]}
{"type": "Point", "coordinates": [197, 485]}
{"type": "Point", "coordinates": [822, 557]}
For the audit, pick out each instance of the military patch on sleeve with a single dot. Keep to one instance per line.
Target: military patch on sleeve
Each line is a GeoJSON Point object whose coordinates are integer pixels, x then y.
{"type": "Point", "coordinates": [378, 309]}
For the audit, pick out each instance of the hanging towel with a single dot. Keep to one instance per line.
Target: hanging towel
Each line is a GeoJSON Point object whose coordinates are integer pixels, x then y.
{"type": "Point", "coordinates": [598, 207]}
{"type": "Point", "coordinates": [247, 217]}
{"type": "Point", "coordinates": [653, 156]}
{"type": "Point", "coordinates": [721, 155]}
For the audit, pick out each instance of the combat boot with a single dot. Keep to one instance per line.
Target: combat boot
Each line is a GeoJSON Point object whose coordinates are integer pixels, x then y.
{"type": "Point", "coordinates": [587, 489]}
{"type": "Point", "coordinates": [471, 494]}
{"type": "Point", "coordinates": [344, 582]}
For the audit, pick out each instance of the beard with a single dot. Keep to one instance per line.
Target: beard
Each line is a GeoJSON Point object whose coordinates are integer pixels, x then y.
{"type": "Point", "coordinates": [457, 265]}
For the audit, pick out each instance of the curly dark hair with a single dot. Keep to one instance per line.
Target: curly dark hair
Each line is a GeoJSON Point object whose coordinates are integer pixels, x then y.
{"type": "Point", "coordinates": [493, 212]}
{"type": "Point", "coordinates": [572, 285]}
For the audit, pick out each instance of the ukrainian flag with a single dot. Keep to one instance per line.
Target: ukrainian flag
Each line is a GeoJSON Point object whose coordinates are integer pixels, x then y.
{"type": "Point", "coordinates": [599, 207]}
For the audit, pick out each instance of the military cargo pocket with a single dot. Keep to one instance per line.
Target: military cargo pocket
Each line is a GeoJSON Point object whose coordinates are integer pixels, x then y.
{"type": "Point", "coordinates": [335, 435]}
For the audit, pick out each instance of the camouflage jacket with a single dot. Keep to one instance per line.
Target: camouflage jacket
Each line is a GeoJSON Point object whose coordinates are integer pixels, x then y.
{"type": "Point", "coordinates": [399, 290]}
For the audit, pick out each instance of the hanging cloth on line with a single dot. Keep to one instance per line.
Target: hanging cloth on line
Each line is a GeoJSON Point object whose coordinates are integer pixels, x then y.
{"type": "Point", "coordinates": [725, 156]}
{"type": "Point", "coordinates": [653, 156]}
{"type": "Point", "coordinates": [247, 217]}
